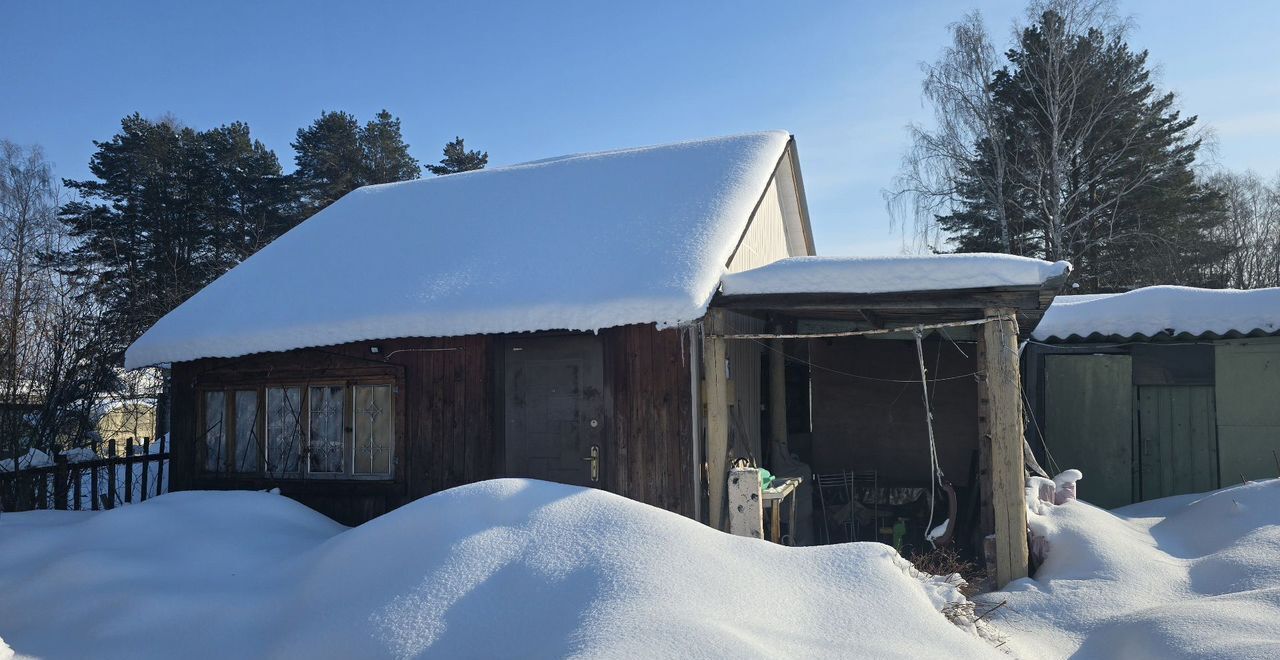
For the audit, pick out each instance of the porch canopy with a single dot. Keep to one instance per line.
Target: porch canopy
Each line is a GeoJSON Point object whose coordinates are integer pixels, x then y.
{"type": "Point", "coordinates": [878, 293]}
{"type": "Point", "coordinates": [985, 298]}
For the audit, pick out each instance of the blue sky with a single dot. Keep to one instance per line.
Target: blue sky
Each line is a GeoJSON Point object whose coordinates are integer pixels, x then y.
{"type": "Point", "coordinates": [527, 80]}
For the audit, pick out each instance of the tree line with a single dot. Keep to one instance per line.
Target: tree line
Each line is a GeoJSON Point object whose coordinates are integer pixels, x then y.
{"type": "Point", "coordinates": [1063, 147]}
{"type": "Point", "coordinates": [86, 266]}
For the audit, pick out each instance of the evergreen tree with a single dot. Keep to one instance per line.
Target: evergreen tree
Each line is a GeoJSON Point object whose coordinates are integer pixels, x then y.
{"type": "Point", "coordinates": [458, 159]}
{"type": "Point", "coordinates": [1081, 159]}
{"type": "Point", "coordinates": [386, 156]}
{"type": "Point", "coordinates": [329, 158]}
{"type": "Point", "coordinates": [170, 208]}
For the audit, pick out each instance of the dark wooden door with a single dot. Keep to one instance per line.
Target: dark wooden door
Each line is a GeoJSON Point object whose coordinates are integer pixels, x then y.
{"type": "Point", "coordinates": [554, 409]}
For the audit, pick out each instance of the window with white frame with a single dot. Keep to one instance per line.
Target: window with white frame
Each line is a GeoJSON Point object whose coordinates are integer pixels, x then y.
{"type": "Point", "coordinates": [313, 430]}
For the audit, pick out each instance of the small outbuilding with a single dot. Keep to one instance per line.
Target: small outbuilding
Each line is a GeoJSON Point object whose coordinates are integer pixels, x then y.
{"type": "Point", "coordinates": [539, 320]}
{"type": "Point", "coordinates": [1159, 391]}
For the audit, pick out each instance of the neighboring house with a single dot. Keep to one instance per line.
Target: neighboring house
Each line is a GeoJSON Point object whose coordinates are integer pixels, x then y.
{"type": "Point", "coordinates": [565, 320]}
{"type": "Point", "coordinates": [1158, 391]}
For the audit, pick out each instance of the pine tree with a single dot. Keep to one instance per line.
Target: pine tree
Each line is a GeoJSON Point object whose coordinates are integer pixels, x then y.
{"type": "Point", "coordinates": [458, 159]}
{"type": "Point", "coordinates": [329, 158]}
{"type": "Point", "coordinates": [168, 210]}
{"type": "Point", "coordinates": [386, 156]}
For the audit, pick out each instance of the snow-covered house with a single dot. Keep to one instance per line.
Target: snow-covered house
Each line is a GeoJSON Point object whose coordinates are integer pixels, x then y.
{"type": "Point", "coordinates": [1158, 391]}
{"type": "Point", "coordinates": [536, 320]}
{"type": "Point", "coordinates": [631, 320]}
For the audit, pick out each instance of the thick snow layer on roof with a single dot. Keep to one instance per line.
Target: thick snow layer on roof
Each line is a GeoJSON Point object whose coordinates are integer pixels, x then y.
{"type": "Point", "coordinates": [892, 274]}
{"type": "Point", "coordinates": [1157, 309]}
{"type": "Point", "coordinates": [499, 569]}
{"type": "Point", "coordinates": [1190, 576]}
{"type": "Point", "coordinates": [579, 242]}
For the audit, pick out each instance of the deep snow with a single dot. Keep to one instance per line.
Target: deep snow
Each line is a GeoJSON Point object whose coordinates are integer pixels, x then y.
{"type": "Point", "coordinates": [506, 568]}
{"type": "Point", "coordinates": [1191, 576]}
{"type": "Point", "coordinates": [1151, 310]}
{"type": "Point", "coordinates": [892, 274]}
{"type": "Point", "coordinates": [579, 243]}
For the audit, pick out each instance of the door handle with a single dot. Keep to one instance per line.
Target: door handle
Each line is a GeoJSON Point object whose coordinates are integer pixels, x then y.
{"type": "Point", "coordinates": [594, 457]}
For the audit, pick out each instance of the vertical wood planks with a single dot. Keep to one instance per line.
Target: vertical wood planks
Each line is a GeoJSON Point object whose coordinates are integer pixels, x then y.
{"type": "Point", "coordinates": [1003, 392]}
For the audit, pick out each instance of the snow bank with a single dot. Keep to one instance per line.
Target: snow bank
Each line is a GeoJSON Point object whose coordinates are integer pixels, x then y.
{"type": "Point", "coordinates": [579, 242]}
{"type": "Point", "coordinates": [892, 274]}
{"type": "Point", "coordinates": [1192, 576]}
{"type": "Point", "coordinates": [1152, 310]}
{"type": "Point", "coordinates": [507, 568]}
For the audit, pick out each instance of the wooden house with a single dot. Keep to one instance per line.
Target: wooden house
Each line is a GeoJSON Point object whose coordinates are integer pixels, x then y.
{"type": "Point", "coordinates": [537, 320]}
{"type": "Point", "coordinates": [565, 320]}
{"type": "Point", "coordinates": [1158, 391]}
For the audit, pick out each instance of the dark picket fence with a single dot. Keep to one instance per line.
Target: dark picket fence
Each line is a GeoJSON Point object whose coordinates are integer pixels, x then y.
{"type": "Point", "coordinates": [100, 483]}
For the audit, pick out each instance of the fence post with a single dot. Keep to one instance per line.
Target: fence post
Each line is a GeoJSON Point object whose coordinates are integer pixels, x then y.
{"type": "Point", "coordinates": [111, 476]}
{"type": "Point", "coordinates": [94, 503]}
{"type": "Point", "coordinates": [164, 447]}
{"type": "Point", "coordinates": [77, 475]}
{"type": "Point", "coordinates": [146, 484]}
{"type": "Point", "coordinates": [128, 471]}
{"type": "Point", "coordinates": [60, 482]}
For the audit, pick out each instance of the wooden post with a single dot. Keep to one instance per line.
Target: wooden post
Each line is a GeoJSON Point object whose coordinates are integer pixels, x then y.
{"type": "Point", "coordinates": [60, 481]}
{"type": "Point", "coordinates": [746, 506]}
{"type": "Point", "coordinates": [146, 485]}
{"type": "Point", "coordinates": [128, 471]}
{"type": "Point", "coordinates": [715, 372]}
{"type": "Point", "coordinates": [778, 396]}
{"type": "Point", "coordinates": [111, 476]}
{"type": "Point", "coordinates": [1002, 391]}
{"type": "Point", "coordinates": [160, 485]}
{"type": "Point", "coordinates": [76, 478]}
{"type": "Point", "coordinates": [94, 503]}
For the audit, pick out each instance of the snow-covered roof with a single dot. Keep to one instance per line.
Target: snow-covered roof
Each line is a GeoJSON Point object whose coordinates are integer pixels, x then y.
{"type": "Point", "coordinates": [579, 242]}
{"type": "Point", "coordinates": [1169, 310]}
{"type": "Point", "coordinates": [892, 274]}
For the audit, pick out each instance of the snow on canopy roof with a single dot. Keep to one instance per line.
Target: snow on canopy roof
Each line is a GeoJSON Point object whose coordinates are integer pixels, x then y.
{"type": "Point", "coordinates": [579, 242]}
{"type": "Point", "coordinates": [892, 274]}
{"type": "Point", "coordinates": [1171, 310]}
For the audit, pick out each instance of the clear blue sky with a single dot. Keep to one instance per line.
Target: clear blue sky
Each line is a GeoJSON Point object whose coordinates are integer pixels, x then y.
{"type": "Point", "coordinates": [527, 80]}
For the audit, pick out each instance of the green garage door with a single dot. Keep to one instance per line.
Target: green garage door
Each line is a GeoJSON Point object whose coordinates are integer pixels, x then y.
{"type": "Point", "coordinates": [1247, 374]}
{"type": "Point", "coordinates": [1089, 423]}
{"type": "Point", "coordinates": [1177, 440]}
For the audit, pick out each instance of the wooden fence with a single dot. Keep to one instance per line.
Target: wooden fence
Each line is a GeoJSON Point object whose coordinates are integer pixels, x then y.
{"type": "Point", "coordinates": [100, 483]}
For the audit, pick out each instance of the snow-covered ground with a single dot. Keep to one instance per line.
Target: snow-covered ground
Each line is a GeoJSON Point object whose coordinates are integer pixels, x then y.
{"type": "Point", "coordinates": [507, 568]}
{"type": "Point", "coordinates": [515, 568]}
{"type": "Point", "coordinates": [1192, 576]}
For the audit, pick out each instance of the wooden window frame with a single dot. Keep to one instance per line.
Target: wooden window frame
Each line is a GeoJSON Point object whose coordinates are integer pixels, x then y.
{"type": "Point", "coordinates": [304, 473]}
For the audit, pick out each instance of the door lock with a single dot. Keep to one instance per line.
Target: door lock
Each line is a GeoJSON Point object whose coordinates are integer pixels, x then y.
{"type": "Point", "coordinates": [594, 457]}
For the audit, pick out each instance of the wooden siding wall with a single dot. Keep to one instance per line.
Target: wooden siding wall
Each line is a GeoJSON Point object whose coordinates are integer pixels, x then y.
{"type": "Point", "coordinates": [446, 434]}
{"type": "Point", "coordinates": [765, 240]}
{"type": "Point", "coordinates": [861, 424]}
{"type": "Point", "coordinates": [649, 457]}
{"type": "Point", "coordinates": [444, 428]}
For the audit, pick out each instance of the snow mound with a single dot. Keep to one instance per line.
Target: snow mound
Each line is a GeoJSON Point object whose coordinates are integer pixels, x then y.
{"type": "Point", "coordinates": [1192, 576]}
{"type": "Point", "coordinates": [1170, 309]}
{"type": "Point", "coordinates": [892, 274]}
{"type": "Point", "coordinates": [576, 243]}
{"type": "Point", "coordinates": [506, 568]}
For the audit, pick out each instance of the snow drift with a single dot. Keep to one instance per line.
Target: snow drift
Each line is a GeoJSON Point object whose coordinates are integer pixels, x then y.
{"type": "Point", "coordinates": [1191, 576]}
{"type": "Point", "coordinates": [507, 568]}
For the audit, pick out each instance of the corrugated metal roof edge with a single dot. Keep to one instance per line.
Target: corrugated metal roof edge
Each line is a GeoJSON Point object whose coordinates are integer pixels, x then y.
{"type": "Point", "coordinates": [1098, 337]}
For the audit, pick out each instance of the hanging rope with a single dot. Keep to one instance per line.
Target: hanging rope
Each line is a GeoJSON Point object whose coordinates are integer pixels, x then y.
{"type": "Point", "coordinates": [934, 467]}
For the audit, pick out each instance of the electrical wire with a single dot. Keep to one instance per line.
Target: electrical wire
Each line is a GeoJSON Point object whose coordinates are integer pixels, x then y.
{"type": "Point", "coordinates": [845, 373]}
